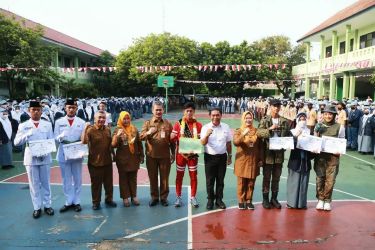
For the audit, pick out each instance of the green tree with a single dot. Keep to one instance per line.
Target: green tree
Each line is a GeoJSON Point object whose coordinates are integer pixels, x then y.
{"type": "Point", "coordinates": [156, 50]}
{"type": "Point", "coordinates": [22, 48]}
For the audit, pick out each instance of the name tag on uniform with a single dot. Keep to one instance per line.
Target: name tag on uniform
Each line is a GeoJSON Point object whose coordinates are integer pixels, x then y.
{"type": "Point", "coordinates": [162, 134]}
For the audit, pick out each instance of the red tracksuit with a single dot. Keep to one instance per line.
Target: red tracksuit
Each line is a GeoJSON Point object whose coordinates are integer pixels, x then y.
{"type": "Point", "coordinates": [182, 161]}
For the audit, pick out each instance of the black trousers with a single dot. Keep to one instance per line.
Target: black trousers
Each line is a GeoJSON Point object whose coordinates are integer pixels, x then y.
{"type": "Point", "coordinates": [215, 168]}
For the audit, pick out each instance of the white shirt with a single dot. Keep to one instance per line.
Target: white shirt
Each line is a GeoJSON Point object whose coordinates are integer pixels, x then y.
{"type": "Point", "coordinates": [217, 141]}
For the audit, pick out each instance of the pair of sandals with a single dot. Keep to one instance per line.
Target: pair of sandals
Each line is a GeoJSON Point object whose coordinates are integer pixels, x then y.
{"type": "Point", "coordinates": [134, 201]}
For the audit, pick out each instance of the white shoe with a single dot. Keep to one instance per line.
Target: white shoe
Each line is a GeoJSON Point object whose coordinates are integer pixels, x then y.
{"type": "Point", "coordinates": [194, 202]}
{"type": "Point", "coordinates": [178, 202]}
{"type": "Point", "coordinates": [320, 205]}
{"type": "Point", "coordinates": [327, 206]}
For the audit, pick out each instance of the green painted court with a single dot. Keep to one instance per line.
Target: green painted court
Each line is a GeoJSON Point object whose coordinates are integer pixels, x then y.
{"type": "Point", "coordinates": [350, 225]}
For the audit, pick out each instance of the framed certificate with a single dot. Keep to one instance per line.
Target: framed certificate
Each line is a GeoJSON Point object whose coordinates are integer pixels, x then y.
{"type": "Point", "coordinates": [75, 150]}
{"type": "Point", "coordinates": [40, 148]}
{"type": "Point", "coordinates": [309, 143]}
{"type": "Point", "coordinates": [190, 146]}
{"type": "Point", "coordinates": [333, 145]}
{"type": "Point", "coordinates": [277, 143]}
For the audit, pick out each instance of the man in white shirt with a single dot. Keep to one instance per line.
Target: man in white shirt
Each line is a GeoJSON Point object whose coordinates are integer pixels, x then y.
{"type": "Point", "coordinates": [38, 168]}
{"type": "Point", "coordinates": [216, 138]}
{"type": "Point", "coordinates": [68, 129]}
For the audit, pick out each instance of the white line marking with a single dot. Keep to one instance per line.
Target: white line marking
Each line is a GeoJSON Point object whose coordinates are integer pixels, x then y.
{"type": "Point", "coordinates": [147, 230]}
{"type": "Point", "coordinates": [154, 228]}
{"type": "Point", "coordinates": [190, 222]}
{"type": "Point", "coordinates": [359, 159]}
{"type": "Point", "coordinates": [101, 224]}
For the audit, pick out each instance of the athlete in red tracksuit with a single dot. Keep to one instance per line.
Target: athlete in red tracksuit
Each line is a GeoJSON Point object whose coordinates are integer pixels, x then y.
{"type": "Point", "coordinates": [186, 127]}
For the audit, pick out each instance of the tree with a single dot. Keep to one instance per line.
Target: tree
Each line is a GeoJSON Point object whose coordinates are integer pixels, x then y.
{"type": "Point", "coordinates": [156, 50]}
{"type": "Point", "coordinates": [105, 82]}
{"type": "Point", "coordinates": [278, 50]}
{"type": "Point", "coordinates": [22, 48]}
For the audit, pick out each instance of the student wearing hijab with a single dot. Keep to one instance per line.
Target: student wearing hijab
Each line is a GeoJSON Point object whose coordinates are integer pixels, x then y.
{"type": "Point", "coordinates": [6, 158]}
{"type": "Point", "coordinates": [248, 160]}
{"type": "Point", "coordinates": [129, 156]}
{"type": "Point", "coordinates": [299, 166]}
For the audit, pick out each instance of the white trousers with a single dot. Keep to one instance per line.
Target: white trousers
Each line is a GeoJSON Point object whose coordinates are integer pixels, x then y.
{"type": "Point", "coordinates": [39, 183]}
{"type": "Point", "coordinates": [71, 172]}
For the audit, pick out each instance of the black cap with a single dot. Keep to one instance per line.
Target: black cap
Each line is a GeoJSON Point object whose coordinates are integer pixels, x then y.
{"type": "Point", "coordinates": [34, 104]}
{"type": "Point", "coordinates": [70, 101]}
{"type": "Point", "coordinates": [275, 102]}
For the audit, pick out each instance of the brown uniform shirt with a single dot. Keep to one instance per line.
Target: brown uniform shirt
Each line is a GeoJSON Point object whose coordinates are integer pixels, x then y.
{"type": "Point", "coordinates": [156, 145]}
{"type": "Point", "coordinates": [99, 144]}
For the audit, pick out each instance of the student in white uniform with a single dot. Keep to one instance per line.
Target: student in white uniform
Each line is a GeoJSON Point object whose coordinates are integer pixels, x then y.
{"type": "Point", "coordinates": [68, 129]}
{"type": "Point", "coordinates": [38, 168]}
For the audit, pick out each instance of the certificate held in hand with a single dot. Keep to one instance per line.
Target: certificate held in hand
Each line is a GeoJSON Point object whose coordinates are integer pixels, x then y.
{"type": "Point", "coordinates": [75, 150]}
{"type": "Point", "coordinates": [278, 143]}
{"type": "Point", "coordinates": [39, 148]}
{"type": "Point", "coordinates": [310, 143]}
{"type": "Point", "coordinates": [334, 145]}
{"type": "Point", "coordinates": [190, 146]}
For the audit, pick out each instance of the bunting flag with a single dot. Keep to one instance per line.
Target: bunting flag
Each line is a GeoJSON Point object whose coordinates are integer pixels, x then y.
{"type": "Point", "coordinates": [65, 70]}
{"type": "Point", "coordinates": [213, 68]}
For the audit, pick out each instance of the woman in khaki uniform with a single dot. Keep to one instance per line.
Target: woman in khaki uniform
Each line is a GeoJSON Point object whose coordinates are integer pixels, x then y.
{"type": "Point", "coordinates": [129, 156]}
{"type": "Point", "coordinates": [248, 160]}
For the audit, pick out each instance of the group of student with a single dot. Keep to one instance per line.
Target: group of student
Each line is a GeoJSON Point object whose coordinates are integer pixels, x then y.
{"type": "Point", "coordinates": [161, 140]}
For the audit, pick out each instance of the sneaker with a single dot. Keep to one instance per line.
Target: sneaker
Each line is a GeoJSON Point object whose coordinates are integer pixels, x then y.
{"type": "Point", "coordinates": [320, 205]}
{"type": "Point", "coordinates": [178, 202]}
{"type": "Point", "coordinates": [194, 202]}
{"type": "Point", "coordinates": [327, 206]}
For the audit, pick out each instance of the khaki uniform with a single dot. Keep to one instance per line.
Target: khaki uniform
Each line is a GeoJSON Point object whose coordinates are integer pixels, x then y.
{"type": "Point", "coordinates": [158, 155]}
{"type": "Point", "coordinates": [246, 166]}
{"type": "Point", "coordinates": [128, 165]}
{"type": "Point", "coordinates": [100, 162]}
{"type": "Point", "coordinates": [311, 119]}
{"type": "Point", "coordinates": [341, 117]}
{"type": "Point", "coordinates": [326, 166]}
{"type": "Point", "coordinates": [273, 158]}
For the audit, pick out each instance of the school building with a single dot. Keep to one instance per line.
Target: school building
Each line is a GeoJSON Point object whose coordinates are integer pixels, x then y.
{"type": "Point", "coordinates": [347, 55]}
{"type": "Point", "coordinates": [72, 54]}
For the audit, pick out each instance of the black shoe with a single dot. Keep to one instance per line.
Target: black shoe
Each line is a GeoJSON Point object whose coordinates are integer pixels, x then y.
{"type": "Point", "coordinates": [220, 204]}
{"type": "Point", "coordinates": [49, 211]}
{"type": "Point", "coordinates": [65, 208]}
{"type": "Point", "coordinates": [153, 203]}
{"type": "Point", "coordinates": [77, 207]}
{"type": "Point", "coordinates": [250, 206]}
{"type": "Point", "coordinates": [241, 206]}
{"type": "Point", "coordinates": [37, 213]}
{"type": "Point", "coordinates": [266, 203]}
{"type": "Point", "coordinates": [210, 204]}
{"type": "Point", "coordinates": [164, 203]}
{"type": "Point", "coordinates": [274, 202]}
{"type": "Point", "coordinates": [96, 207]}
{"type": "Point", "coordinates": [7, 167]}
{"type": "Point", "coordinates": [110, 204]}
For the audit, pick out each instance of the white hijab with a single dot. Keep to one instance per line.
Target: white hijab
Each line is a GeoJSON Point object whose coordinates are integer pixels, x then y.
{"type": "Point", "coordinates": [301, 128]}
{"type": "Point", "coordinates": [6, 125]}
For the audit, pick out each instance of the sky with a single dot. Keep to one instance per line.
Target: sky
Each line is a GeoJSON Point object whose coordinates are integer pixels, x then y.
{"type": "Point", "coordinates": [114, 24]}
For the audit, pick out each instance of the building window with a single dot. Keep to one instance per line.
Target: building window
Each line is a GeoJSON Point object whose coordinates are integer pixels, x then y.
{"type": "Point", "coordinates": [367, 40]}
{"type": "Point", "coordinates": [351, 45]}
{"type": "Point", "coordinates": [328, 51]}
{"type": "Point", "coordinates": [342, 47]}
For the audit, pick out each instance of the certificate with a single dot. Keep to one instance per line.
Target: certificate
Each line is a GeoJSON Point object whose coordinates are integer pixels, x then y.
{"type": "Point", "coordinates": [309, 143]}
{"type": "Point", "coordinates": [190, 146]}
{"type": "Point", "coordinates": [334, 145]}
{"type": "Point", "coordinates": [277, 143]}
{"type": "Point", "coordinates": [40, 148]}
{"type": "Point", "coordinates": [75, 150]}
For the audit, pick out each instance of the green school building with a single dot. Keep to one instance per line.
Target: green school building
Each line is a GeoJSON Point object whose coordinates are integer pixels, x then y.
{"type": "Point", "coordinates": [72, 55]}
{"type": "Point", "coordinates": [347, 55]}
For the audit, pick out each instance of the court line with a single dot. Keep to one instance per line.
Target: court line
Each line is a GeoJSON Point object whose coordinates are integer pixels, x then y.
{"type": "Point", "coordinates": [100, 225]}
{"type": "Point", "coordinates": [359, 159]}
{"type": "Point", "coordinates": [190, 222]}
{"type": "Point", "coordinates": [147, 230]}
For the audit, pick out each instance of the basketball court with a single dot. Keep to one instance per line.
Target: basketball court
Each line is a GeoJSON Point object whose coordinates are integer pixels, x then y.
{"type": "Point", "coordinates": [350, 225]}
